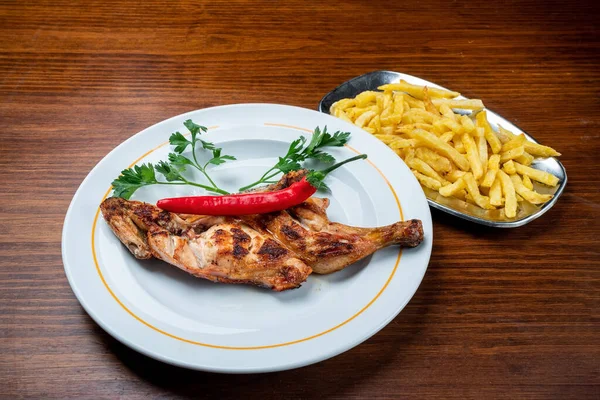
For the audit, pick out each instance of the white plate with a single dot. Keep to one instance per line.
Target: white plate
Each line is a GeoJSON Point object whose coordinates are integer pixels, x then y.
{"type": "Point", "coordinates": [169, 315]}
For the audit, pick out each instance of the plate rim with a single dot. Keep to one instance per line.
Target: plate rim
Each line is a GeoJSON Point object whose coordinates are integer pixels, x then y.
{"type": "Point", "coordinates": [349, 344]}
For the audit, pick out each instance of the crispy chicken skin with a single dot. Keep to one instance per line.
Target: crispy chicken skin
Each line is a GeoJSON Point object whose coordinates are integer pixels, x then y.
{"type": "Point", "coordinates": [324, 245]}
{"type": "Point", "coordinates": [328, 246]}
{"type": "Point", "coordinates": [277, 250]}
{"type": "Point", "coordinates": [217, 249]}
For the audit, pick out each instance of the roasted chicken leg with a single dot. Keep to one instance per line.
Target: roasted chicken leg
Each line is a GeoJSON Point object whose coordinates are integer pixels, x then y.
{"type": "Point", "coordinates": [327, 246]}
{"type": "Point", "coordinates": [217, 249]}
{"type": "Point", "coordinates": [277, 250]}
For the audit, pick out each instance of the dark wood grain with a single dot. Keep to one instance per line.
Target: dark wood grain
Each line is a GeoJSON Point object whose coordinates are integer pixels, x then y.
{"type": "Point", "coordinates": [500, 314]}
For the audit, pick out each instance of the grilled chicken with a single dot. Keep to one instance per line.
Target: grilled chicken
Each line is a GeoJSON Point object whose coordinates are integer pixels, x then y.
{"type": "Point", "coordinates": [214, 248]}
{"type": "Point", "coordinates": [277, 250]}
{"type": "Point", "coordinates": [327, 246]}
{"type": "Point", "coordinates": [324, 245]}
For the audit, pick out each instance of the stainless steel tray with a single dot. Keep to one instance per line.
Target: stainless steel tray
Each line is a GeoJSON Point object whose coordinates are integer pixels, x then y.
{"type": "Point", "coordinates": [458, 208]}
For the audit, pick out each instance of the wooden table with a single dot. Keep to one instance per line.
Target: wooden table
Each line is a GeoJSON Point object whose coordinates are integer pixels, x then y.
{"type": "Point", "coordinates": [500, 314]}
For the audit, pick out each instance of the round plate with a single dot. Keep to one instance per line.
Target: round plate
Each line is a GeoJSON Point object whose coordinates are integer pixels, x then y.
{"type": "Point", "coordinates": [169, 315]}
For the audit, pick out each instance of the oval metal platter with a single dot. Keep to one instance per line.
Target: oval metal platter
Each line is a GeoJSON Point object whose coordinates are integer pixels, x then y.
{"type": "Point", "coordinates": [458, 208]}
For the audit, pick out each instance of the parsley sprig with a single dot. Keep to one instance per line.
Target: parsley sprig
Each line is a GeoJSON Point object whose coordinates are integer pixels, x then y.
{"type": "Point", "coordinates": [181, 143]}
{"type": "Point", "coordinates": [298, 153]}
{"type": "Point", "coordinates": [132, 179]}
{"type": "Point", "coordinates": [316, 178]}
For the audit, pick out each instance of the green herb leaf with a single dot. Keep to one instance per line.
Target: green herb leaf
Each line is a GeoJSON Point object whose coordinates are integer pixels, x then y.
{"type": "Point", "coordinates": [179, 141]}
{"type": "Point", "coordinates": [207, 145]}
{"type": "Point", "coordinates": [296, 146]}
{"type": "Point", "coordinates": [297, 153]}
{"type": "Point", "coordinates": [315, 178]}
{"type": "Point", "coordinates": [132, 179]}
{"type": "Point", "coordinates": [290, 162]}
{"type": "Point", "coordinates": [315, 140]}
{"type": "Point", "coordinates": [323, 157]}
{"type": "Point", "coordinates": [288, 165]}
{"type": "Point", "coordinates": [322, 139]}
{"type": "Point", "coordinates": [171, 172]}
{"type": "Point", "coordinates": [220, 160]}
{"type": "Point", "coordinates": [179, 160]}
{"type": "Point", "coordinates": [194, 128]}
{"type": "Point", "coordinates": [323, 187]}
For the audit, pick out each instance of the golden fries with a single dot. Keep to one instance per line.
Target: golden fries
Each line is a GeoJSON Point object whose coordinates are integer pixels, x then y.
{"type": "Point", "coordinates": [473, 190]}
{"type": "Point", "coordinates": [510, 196]}
{"type": "Point", "coordinates": [447, 123]}
{"type": "Point", "coordinates": [454, 175]}
{"type": "Point", "coordinates": [541, 151]}
{"type": "Point", "coordinates": [525, 159]}
{"type": "Point", "coordinates": [427, 181]}
{"type": "Point", "coordinates": [365, 98]}
{"type": "Point", "coordinates": [439, 163]}
{"type": "Point", "coordinates": [515, 142]}
{"type": "Point", "coordinates": [509, 167]}
{"type": "Point", "coordinates": [527, 194]}
{"type": "Point", "coordinates": [489, 134]}
{"type": "Point", "coordinates": [417, 91]}
{"type": "Point", "coordinates": [459, 104]}
{"type": "Point", "coordinates": [527, 182]}
{"type": "Point", "coordinates": [453, 188]}
{"type": "Point", "coordinates": [400, 143]}
{"type": "Point", "coordinates": [472, 155]}
{"type": "Point", "coordinates": [424, 168]}
{"type": "Point", "coordinates": [512, 154]}
{"type": "Point", "coordinates": [364, 118]}
{"type": "Point", "coordinates": [433, 142]}
{"type": "Point", "coordinates": [496, 198]}
{"type": "Point", "coordinates": [459, 156]}
{"type": "Point", "coordinates": [493, 167]}
{"type": "Point", "coordinates": [504, 135]}
{"type": "Point", "coordinates": [537, 175]}
{"type": "Point", "coordinates": [482, 149]}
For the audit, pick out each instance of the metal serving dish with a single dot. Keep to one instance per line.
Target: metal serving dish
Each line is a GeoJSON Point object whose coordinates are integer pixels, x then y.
{"type": "Point", "coordinates": [456, 207]}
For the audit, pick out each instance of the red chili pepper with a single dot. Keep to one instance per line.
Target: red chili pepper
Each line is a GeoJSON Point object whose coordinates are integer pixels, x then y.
{"type": "Point", "coordinates": [251, 203]}
{"type": "Point", "coordinates": [242, 203]}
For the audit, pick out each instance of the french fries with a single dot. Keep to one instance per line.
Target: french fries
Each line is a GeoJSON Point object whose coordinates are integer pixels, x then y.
{"type": "Point", "coordinates": [459, 104]}
{"type": "Point", "coordinates": [512, 154]}
{"type": "Point", "coordinates": [473, 190]}
{"type": "Point", "coordinates": [432, 141]}
{"type": "Point", "coordinates": [424, 168]}
{"type": "Point", "coordinates": [472, 155]}
{"type": "Point", "coordinates": [453, 188]}
{"type": "Point", "coordinates": [527, 194]}
{"type": "Point", "coordinates": [525, 159]}
{"type": "Point", "coordinates": [439, 163]}
{"type": "Point", "coordinates": [515, 142]}
{"type": "Point", "coordinates": [493, 166]}
{"type": "Point", "coordinates": [489, 134]}
{"type": "Point", "coordinates": [459, 156]}
{"type": "Point", "coordinates": [527, 182]}
{"type": "Point", "coordinates": [510, 196]}
{"type": "Point", "coordinates": [536, 149]}
{"type": "Point", "coordinates": [364, 118]}
{"type": "Point", "coordinates": [427, 181]}
{"type": "Point", "coordinates": [496, 198]}
{"type": "Point", "coordinates": [537, 175]}
{"type": "Point", "coordinates": [509, 167]}
{"type": "Point", "coordinates": [416, 91]}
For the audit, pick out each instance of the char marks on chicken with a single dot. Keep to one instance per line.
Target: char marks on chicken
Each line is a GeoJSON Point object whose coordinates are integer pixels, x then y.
{"type": "Point", "coordinates": [276, 250]}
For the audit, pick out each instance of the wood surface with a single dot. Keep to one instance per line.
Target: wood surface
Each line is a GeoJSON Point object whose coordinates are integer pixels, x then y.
{"type": "Point", "coordinates": [500, 314]}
